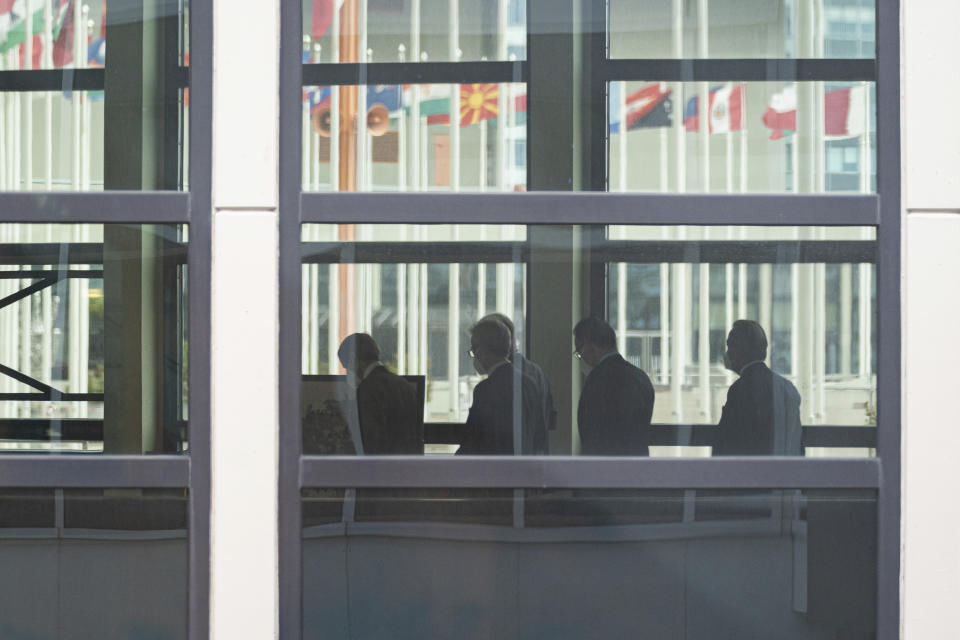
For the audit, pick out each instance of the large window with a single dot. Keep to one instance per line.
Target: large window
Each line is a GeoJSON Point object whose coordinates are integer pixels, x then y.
{"type": "Point", "coordinates": [617, 182]}
{"type": "Point", "coordinates": [104, 299]}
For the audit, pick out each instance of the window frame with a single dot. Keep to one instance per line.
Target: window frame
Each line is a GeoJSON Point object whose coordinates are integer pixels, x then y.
{"type": "Point", "coordinates": [191, 207]}
{"type": "Point", "coordinates": [881, 210]}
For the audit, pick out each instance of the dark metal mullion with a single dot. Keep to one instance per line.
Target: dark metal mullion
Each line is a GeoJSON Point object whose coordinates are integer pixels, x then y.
{"type": "Point", "coordinates": [288, 497]}
{"type": "Point", "coordinates": [50, 273]}
{"type": "Point", "coordinates": [588, 472]}
{"type": "Point", "coordinates": [889, 324]}
{"type": "Point", "coordinates": [198, 292]}
{"type": "Point", "coordinates": [591, 208]}
{"type": "Point", "coordinates": [100, 471]}
{"type": "Point", "coordinates": [95, 208]}
{"type": "Point", "coordinates": [344, 73]}
{"type": "Point", "coordinates": [741, 70]}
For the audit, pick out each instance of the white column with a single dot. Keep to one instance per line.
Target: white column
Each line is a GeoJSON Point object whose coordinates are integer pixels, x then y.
{"type": "Point", "coordinates": [765, 286]}
{"type": "Point", "coordinates": [846, 319]}
{"type": "Point", "coordinates": [243, 560]}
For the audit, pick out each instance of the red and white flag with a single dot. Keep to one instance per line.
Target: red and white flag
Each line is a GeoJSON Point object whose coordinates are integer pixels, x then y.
{"type": "Point", "coordinates": [727, 108]}
{"type": "Point", "coordinates": [845, 112]}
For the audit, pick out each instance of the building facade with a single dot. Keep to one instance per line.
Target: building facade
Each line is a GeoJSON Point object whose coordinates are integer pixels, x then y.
{"type": "Point", "coordinates": [192, 225]}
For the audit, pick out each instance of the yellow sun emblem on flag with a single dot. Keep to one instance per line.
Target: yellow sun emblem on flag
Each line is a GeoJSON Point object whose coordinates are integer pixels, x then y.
{"type": "Point", "coordinates": [477, 102]}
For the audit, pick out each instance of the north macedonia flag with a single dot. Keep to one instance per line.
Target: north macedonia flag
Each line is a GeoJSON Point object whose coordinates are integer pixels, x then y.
{"type": "Point", "coordinates": [477, 102]}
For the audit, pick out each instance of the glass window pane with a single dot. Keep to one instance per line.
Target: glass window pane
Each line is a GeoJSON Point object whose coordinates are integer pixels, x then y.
{"type": "Point", "coordinates": [403, 139]}
{"type": "Point", "coordinates": [742, 29]}
{"type": "Point", "coordinates": [393, 30]}
{"type": "Point", "coordinates": [56, 140]}
{"type": "Point", "coordinates": [671, 296]}
{"type": "Point", "coordinates": [93, 563]}
{"type": "Point", "coordinates": [761, 137]}
{"type": "Point", "coordinates": [476, 563]}
{"type": "Point", "coordinates": [93, 338]}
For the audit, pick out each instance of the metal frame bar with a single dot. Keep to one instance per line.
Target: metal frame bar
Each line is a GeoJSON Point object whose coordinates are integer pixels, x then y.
{"type": "Point", "coordinates": [561, 472]}
{"type": "Point", "coordinates": [605, 251]}
{"type": "Point", "coordinates": [70, 79]}
{"type": "Point", "coordinates": [350, 73]}
{"type": "Point", "coordinates": [592, 208]}
{"type": "Point", "coordinates": [889, 359]}
{"type": "Point", "coordinates": [94, 208]}
{"type": "Point", "coordinates": [68, 471]}
{"type": "Point", "coordinates": [882, 473]}
{"type": "Point", "coordinates": [741, 70]}
{"type": "Point", "coordinates": [288, 486]}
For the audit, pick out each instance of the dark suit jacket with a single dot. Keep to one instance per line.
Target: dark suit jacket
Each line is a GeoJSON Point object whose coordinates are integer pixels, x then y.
{"type": "Point", "coordinates": [388, 413]}
{"type": "Point", "coordinates": [542, 384]}
{"type": "Point", "coordinates": [508, 399]}
{"type": "Point", "coordinates": [761, 416]}
{"type": "Point", "coordinates": [616, 404]}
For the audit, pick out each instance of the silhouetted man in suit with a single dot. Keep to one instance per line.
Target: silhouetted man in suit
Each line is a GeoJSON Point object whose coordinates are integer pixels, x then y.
{"type": "Point", "coordinates": [386, 403]}
{"type": "Point", "coordinates": [762, 413]}
{"type": "Point", "coordinates": [532, 369]}
{"type": "Point", "coordinates": [616, 402]}
{"type": "Point", "coordinates": [506, 416]}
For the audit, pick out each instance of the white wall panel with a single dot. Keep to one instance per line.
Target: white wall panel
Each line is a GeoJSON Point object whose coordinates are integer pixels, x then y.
{"type": "Point", "coordinates": [931, 432]}
{"type": "Point", "coordinates": [931, 129]}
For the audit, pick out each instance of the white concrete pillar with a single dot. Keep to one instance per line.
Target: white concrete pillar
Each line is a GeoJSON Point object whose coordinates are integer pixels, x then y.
{"type": "Point", "coordinates": [244, 453]}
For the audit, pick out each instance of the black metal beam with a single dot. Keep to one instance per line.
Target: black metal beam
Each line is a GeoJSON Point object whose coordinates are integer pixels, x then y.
{"type": "Point", "coordinates": [23, 80]}
{"type": "Point", "coordinates": [372, 73]}
{"type": "Point", "coordinates": [742, 70]}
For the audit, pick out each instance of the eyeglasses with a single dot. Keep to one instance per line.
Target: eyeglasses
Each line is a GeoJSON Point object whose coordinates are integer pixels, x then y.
{"type": "Point", "coordinates": [471, 353]}
{"type": "Point", "coordinates": [577, 354]}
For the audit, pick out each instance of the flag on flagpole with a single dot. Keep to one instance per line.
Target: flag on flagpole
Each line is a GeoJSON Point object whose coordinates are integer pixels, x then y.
{"type": "Point", "coordinates": [63, 35]}
{"type": "Point", "coordinates": [647, 107]}
{"type": "Point", "coordinates": [13, 22]}
{"type": "Point", "coordinates": [727, 108]}
{"type": "Point", "coordinates": [478, 102]}
{"type": "Point", "coordinates": [323, 16]}
{"type": "Point", "coordinates": [781, 115]}
{"type": "Point", "coordinates": [844, 114]}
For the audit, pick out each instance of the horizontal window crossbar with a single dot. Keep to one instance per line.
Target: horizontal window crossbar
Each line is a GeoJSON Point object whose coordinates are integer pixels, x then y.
{"type": "Point", "coordinates": [635, 252]}
{"type": "Point", "coordinates": [590, 208]}
{"type": "Point", "coordinates": [588, 472]}
{"type": "Point", "coordinates": [696, 435]}
{"type": "Point", "coordinates": [93, 471]}
{"type": "Point", "coordinates": [372, 73]}
{"type": "Point", "coordinates": [741, 70]}
{"type": "Point", "coordinates": [24, 80]}
{"type": "Point", "coordinates": [131, 207]}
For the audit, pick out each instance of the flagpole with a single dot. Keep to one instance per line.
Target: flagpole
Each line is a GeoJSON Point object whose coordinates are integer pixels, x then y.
{"type": "Point", "coordinates": [703, 343]}
{"type": "Point", "coordinates": [680, 272]}
{"type": "Point", "coordinates": [402, 269]}
{"type": "Point", "coordinates": [664, 267]}
{"type": "Point", "coordinates": [27, 100]}
{"type": "Point", "coordinates": [622, 115]}
{"type": "Point", "coordinates": [864, 339]}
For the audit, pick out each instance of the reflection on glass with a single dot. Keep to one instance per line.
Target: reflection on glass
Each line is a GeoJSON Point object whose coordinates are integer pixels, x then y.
{"type": "Point", "coordinates": [93, 338]}
{"type": "Point", "coordinates": [401, 138]}
{"type": "Point", "coordinates": [93, 563]}
{"type": "Point", "coordinates": [742, 29]}
{"type": "Point", "coordinates": [760, 137]}
{"type": "Point", "coordinates": [393, 31]}
{"type": "Point", "coordinates": [443, 563]}
{"type": "Point", "coordinates": [57, 140]}
{"type": "Point", "coordinates": [671, 297]}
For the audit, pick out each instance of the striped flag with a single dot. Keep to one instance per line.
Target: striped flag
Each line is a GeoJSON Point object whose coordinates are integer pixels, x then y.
{"type": "Point", "coordinates": [844, 113]}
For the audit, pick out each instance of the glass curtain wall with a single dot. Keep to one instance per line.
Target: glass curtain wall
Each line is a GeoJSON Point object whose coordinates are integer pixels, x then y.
{"type": "Point", "coordinates": [612, 300]}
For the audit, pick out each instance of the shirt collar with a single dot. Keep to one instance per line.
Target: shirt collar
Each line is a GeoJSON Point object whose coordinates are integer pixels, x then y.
{"type": "Point", "coordinates": [750, 364]}
{"type": "Point", "coordinates": [370, 367]}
